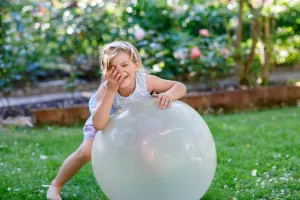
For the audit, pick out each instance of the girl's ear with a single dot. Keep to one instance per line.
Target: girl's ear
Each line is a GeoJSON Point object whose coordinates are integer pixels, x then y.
{"type": "Point", "coordinates": [136, 66]}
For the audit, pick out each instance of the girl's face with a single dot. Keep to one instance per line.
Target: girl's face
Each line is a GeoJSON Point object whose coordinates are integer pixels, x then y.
{"type": "Point", "coordinates": [123, 61]}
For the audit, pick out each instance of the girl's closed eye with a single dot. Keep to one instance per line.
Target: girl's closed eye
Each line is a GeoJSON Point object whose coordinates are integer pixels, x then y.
{"type": "Point", "coordinates": [125, 65]}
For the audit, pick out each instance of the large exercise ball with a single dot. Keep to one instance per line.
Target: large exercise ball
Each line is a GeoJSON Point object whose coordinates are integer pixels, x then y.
{"type": "Point", "coordinates": [148, 153]}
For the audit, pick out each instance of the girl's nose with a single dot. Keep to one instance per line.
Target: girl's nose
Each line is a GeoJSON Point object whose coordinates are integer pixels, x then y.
{"type": "Point", "coordinates": [119, 69]}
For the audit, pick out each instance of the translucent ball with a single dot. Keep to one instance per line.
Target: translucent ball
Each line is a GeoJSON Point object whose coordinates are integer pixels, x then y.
{"type": "Point", "coordinates": [148, 153]}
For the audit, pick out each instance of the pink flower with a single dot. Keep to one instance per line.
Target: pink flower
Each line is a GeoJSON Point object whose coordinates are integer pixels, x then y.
{"type": "Point", "coordinates": [224, 52]}
{"type": "Point", "coordinates": [195, 53]}
{"type": "Point", "coordinates": [139, 33]}
{"type": "Point", "coordinates": [204, 32]}
{"type": "Point", "coordinates": [268, 2]}
{"type": "Point", "coordinates": [224, 1]}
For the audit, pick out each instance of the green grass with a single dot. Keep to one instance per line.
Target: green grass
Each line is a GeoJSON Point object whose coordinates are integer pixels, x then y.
{"type": "Point", "coordinates": [266, 141]}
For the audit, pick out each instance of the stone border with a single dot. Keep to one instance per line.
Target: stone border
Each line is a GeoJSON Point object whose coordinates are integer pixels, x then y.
{"type": "Point", "coordinates": [62, 116]}
{"type": "Point", "coordinates": [248, 99]}
{"type": "Point", "coordinates": [208, 102]}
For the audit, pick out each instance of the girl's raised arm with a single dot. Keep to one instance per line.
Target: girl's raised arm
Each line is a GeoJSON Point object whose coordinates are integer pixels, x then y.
{"type": "Point", "coordinates": [101, 114]}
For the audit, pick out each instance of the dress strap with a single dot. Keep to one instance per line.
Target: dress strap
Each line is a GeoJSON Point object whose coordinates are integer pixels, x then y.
{"type": "Point", "coordinates": [142, 81]}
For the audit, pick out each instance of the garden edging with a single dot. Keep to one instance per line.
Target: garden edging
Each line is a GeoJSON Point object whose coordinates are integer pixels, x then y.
{"type": "Point", "coordinates": [254, 98]}
{"type": "Point", "coordinates": [204, 102]}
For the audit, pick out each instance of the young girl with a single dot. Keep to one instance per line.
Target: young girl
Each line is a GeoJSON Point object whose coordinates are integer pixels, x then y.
{"type": "Point", "coordinates": [125, 82]}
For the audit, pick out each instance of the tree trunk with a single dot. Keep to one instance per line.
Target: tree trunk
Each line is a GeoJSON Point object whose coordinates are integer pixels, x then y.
{"type": "Point", "coordinates": [255, 28]}
{"type": "Point", "coordinates": [250, 57]}
{"type": "Point", "coordinates": [266, 40]}
{"type": "Point", "coordinates": [237, 44]}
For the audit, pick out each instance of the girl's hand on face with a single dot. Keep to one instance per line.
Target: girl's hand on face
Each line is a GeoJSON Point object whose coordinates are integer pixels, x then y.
{"type": "Point", "coordinates": [163, 100]}
{"type": "Point", "coordinates": [114, 78]}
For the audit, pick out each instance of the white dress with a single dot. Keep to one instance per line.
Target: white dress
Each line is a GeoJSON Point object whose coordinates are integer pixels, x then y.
{"type": "Point", "coordinates": [140, 93]}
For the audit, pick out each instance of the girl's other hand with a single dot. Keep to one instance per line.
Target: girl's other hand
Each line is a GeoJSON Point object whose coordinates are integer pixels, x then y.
{"type": "Point", "coordinates": [164, 100]}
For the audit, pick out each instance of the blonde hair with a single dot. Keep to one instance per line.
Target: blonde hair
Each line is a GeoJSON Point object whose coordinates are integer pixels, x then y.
{"type": "Point", "coordinates": [110, 50]}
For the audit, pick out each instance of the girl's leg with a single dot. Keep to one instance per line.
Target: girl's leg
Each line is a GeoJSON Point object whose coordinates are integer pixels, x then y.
{"type": "Point", "coordinates": [69, 168]}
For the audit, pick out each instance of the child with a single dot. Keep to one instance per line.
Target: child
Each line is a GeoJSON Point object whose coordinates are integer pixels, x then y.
{"type": "Point", "coordinates": [125, 82]}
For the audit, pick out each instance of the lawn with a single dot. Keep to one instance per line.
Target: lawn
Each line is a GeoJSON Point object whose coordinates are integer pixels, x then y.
{"type": "Point", "coordinates": [258, 158]}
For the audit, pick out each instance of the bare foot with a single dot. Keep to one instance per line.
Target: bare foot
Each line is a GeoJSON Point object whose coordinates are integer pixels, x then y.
{"type": "Point", "coordinates": [53, 193]}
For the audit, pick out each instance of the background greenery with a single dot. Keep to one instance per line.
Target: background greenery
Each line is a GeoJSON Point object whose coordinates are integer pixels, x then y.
{"type": "Point", "coordinates": [46, 40]}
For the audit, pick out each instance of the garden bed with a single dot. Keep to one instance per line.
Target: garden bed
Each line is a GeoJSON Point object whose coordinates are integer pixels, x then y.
{"type": "Point", "coordinates": [279, 77]}
{"type": "Point", "coordinates": [72, 111]}
{"type": "Point", "coordinates": [216, 96]}
{"type": "Point", "coordinates": [27, 109]}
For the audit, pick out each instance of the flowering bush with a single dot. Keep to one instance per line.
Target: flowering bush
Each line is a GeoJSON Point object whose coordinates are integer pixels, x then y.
{"type": "Point", "coordinates": [176, 39]}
